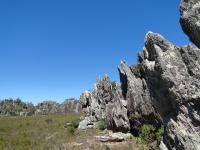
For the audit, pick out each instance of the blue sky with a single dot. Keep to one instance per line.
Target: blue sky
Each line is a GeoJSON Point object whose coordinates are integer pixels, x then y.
{"type": "Point", "coordinates": [54, 49]}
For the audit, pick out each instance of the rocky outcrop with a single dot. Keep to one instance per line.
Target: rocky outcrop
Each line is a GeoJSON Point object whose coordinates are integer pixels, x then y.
{"type": "Point", "coordinates": [69, 106]}
{"type": "Point", "coordinates": [105, 102]}
{"type": "Point", "coordinates": [165, 88]}
{"type": "Point", "coordinates": [190, 19]}
{"type": "Point", "coordinates": [173, 83]}
{"type": "Point", "coordinates": [139, 102]}
{"type": "Point", "coordinates": [47, 107]}
{"type": "Point", "coordinates": [51, 107]}
{"type": "Point", "coordinates": [11, 107]}
{"type": "Point", "coordinates": [162, 89]}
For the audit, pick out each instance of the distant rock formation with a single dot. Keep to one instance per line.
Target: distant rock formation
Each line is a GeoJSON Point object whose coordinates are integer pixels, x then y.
{"type": "Point", "coordinates": [70, 105]}
{"type": "Point", "coordinates": [52, 107]}
{"type": "Point", "coordinates": [162, 89]}
{"type": "Point", "coordinates": [47, 107]}
{"type": "Point", "coordinates": [10, 107]}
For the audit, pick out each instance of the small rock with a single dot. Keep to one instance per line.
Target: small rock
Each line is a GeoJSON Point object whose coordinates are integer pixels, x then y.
{"type": "Point", "coordinates": [114, 137]}
{"type": "Point", "coordinates": [68, 124]}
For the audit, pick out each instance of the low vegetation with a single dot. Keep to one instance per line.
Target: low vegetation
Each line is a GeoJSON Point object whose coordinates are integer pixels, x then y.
{"type": "Point", "coordinates": [50, 133]}
{"type": "Point", "coordinates": [136, 70]}
{"type": "Point", "coordinates": [36, 132]}
{"type": "Point", "coordinates": [149, 134]}
{"type": "Point", "coordinates": [102, 124]}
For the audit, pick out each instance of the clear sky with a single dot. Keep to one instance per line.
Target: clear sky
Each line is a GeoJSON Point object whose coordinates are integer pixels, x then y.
{"type": "Point", "coordinates": [55, 49]}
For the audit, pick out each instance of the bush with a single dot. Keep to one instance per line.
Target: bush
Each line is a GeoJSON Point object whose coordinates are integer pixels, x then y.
{"type": "Point", "coordinates": [114, 85]}
{"type": "Point", "coordinates": [159, 134]}
{"type": "Point", "coordinates": [133, 117]}
{"type": "Point", "coordinates": [75, 123]}
{"type": "Point", "coordinates": [48, 120]}
{"type": "Point", "coordinates": [148, 133]}
{"type": "Point", "coordinates": [136, 70]}
{"type": "Point", "coordinates": [102, 124]}
{"type": "Point", "coordinates": [71, 130]}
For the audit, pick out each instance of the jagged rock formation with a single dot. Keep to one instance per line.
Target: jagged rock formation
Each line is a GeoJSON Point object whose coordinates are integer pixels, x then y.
{"type": "Point", "coordinates": [51, 107]}
{"type": "Point", "coordinates": [47, 107]}
{"type": "Point", "coordinates": [70, 105]}
{"type": "Point", "coordinates": [105, 102]}
{"type": "Point", "coordinates": [10, 107]}
{"type": "Point", "coordinates": [163, 88]}
{"type": "Point", "coordinates": [170, 78]}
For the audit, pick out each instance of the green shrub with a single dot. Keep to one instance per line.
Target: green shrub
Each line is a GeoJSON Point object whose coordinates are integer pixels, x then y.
{"type": "Point", "coordinates": [75, 123]}
{"type": "Point", "coordinates": [133, 117]}
{"type": "Point", "coordinates": [159, 134]}
{"type": "Point", "coordinates": [136, 70]}
{"type": "Point", "coordinates": [114, 85]}
{"type": "Point", "coordinates": [102, 124]}
{"type": "Point", "coordinates": [71, 130]}
{"type": "Point", "coordinates": [48, 120]}
{"type": "Point", "coordinates": [148, 133]}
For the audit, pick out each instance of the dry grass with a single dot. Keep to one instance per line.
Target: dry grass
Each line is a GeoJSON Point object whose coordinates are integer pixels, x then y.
{"type": "Point", "coordinates": [35, 132]}
{"type": "Point", "coordinates": [48, 133]}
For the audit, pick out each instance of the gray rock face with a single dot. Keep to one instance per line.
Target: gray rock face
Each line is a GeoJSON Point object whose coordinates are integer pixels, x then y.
{"type": "Point", "coordinates": [70, 105]}
{"type": "Point", "coordinates": [173, 82]}
{"type": "Point", "coordinates": [163, 88]}
{"type": "Point", "coordinates": [190, 19]}
{"type": "Point", "coordinates": [105, 102]}
{"type": "Point", "coordinates": [47, 107]}
{"type": "Point", "coordinates": [51, 107]}
{"type": "Point", "coordinates": [137, 94]}
{"type": "Point", "coordinates": [11, 107]}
